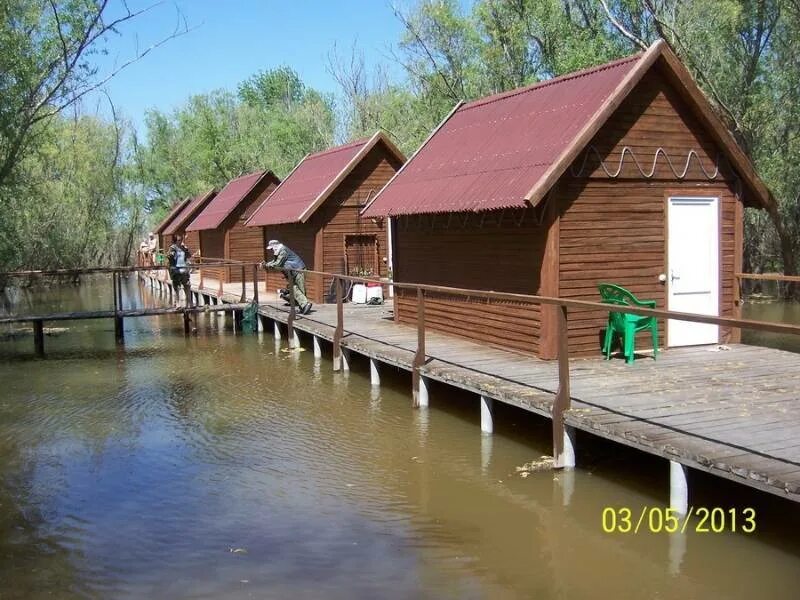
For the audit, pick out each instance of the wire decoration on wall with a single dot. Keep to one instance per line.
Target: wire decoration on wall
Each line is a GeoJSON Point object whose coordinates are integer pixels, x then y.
{"type": "Point", "coordinates": [647, 175]}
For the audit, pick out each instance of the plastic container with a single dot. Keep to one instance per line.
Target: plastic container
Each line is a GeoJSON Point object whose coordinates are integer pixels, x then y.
{"type": "Point", "coordinates": [359, 294]}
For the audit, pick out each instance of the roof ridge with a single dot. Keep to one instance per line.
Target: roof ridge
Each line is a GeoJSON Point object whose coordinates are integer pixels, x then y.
{"type": "Point", "coordinates": [548, 82]}
{"type": "Point", "coordinates": [261, 172]}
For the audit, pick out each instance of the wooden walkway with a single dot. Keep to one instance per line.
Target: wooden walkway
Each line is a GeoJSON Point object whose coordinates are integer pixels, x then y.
{"type": "Point", "coordinates": [731, 412]}
{"type": "Point", "coordinates": [734, 413]}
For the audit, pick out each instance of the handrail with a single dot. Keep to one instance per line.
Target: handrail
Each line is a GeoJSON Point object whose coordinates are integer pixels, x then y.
{"type": "Point", "coordinates": [562, 401]}
{"type": "Point", "coordinates": [579, 304]}
{"type": "Point", "coordinates": [134, 268]}
{"type": "Point", "coordinates": [768, 277]}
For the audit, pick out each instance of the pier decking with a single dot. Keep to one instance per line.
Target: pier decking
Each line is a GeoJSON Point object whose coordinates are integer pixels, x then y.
{"type": "Point", "coordinates": [733, 411]}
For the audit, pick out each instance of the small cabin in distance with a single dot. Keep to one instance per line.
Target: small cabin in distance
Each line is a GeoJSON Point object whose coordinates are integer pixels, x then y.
{"type": "Point", "coordinates": [220, 225]}
{"type": "Point", "coordinates": [316, 211]}
{"type": "Point", "coordinates": [619, 174]}
{"type": "Point", "coordinates": [186, 216]}
{"type": "Point", "coordinates": [163, 241]}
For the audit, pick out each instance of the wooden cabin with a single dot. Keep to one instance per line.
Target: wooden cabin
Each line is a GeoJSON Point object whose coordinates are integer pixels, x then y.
{"type": "Point", "coordinates": [174, 211]}
{"type": "Point", "coordinates": [220, 224]}
{"type": "Point", "coordinates": [316, 211]}
{"type": "Point", "coordinates": [621, 173]}
{"type": "Point", "coordinates": [184, 218]}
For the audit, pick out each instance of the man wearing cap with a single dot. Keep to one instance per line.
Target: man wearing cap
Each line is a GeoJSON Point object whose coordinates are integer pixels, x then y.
{"type": "Point", "coordinates": [285, 258]}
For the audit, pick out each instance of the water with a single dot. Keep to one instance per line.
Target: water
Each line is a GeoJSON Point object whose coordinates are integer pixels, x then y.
{"type": "Point", "coordinates": [221, 466]}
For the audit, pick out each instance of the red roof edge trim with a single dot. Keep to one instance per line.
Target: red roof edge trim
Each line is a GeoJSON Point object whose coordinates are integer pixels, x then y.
{"type": "Point", "coordinates": [365, 210]}
{"type": "Point", "coordinates": [280, 183]}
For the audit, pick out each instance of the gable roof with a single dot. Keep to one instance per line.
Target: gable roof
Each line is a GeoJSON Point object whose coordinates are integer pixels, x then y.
{"type": "Point", "coordinates": [232, 195]}
{"type": "Point", "coordinates": [314, 179]}
{"type": "Point", "coordinates": [508, 150]}
{"type": "Point", "coordinates": [171, 215]}
{"type": "Point", "coordinates": [194, 206]}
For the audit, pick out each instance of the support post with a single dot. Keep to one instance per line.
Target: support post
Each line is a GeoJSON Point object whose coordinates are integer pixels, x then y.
{"type": "Point", "coordinates": [119, 329]}
{"type": "Point", "coordinates": [345, 360]}
{"type": "Point", "coordinates": [317, 347]}
{"type": "Point", "coordinates": [337, 335]}
{"type": "Point", "coordinates": [561, 404]}
{"type": "Point", "coordinates": [243, 299]}
{"type": "Point", "coordinates": [487, 415]}
{"type": "Point", "coordinates": [423, 396]}
{"type": "Point", "coordinates": [38, 337]}
{"type": "Point", "coordinates": [374, 374]}
{"type": "Point", "coordinates": [187, 323]}
{"type": "Point", "coordinates": [255, 283]}
{"type": "Point", "coordinates": [678, 488]}
{"type": "Point", "coordinates": [292, 313]}
{"type": "Point", "coordinates": [276, 330]}
{"type": "Point", "coordinates": [417, 384]}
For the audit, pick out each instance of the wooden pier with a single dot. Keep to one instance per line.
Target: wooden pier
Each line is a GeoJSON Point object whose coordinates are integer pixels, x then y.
{"type": "Point", "coordinates": [732, 411]}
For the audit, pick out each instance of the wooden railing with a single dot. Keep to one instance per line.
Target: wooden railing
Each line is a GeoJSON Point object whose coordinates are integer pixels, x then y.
{"type": "Point", "coordinates": [562, 401]}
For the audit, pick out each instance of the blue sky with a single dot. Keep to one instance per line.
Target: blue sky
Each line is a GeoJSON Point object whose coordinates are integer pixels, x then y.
{"type": "Point", "coordinates": [231, 40]}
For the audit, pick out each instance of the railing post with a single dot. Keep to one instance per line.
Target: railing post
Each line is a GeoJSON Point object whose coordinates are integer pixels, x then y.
{"type": "Point", "coordinates": [119, 330]}
{"type": "Point", "coordinates": [419, 357]}
{"type": "Point", "coordinates": [292, 311]}
{"type": "Point", "coordinates": [243, 299]}
{"type": "Point", "coordinates": [38, 337]}
{"type": "Point", "coordinates": [337, 335]}
{"type": "Point", "coordinates": [255, 283]}
{"type": "Point", "coordinates": [563, 452]}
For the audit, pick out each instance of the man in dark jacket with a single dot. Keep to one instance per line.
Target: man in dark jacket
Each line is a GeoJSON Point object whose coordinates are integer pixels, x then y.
{"type": "Point", "coordinates": [285, 258]}
{"type": "Point", "coordinates": [178, 257]}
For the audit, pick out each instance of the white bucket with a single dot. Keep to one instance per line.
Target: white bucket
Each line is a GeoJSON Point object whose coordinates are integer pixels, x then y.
{"type": "Point", "coordinates": [359, 295]}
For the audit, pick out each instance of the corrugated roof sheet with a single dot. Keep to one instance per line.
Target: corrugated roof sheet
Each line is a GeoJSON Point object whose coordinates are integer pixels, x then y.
{"type": "Point", "coordinates": [491, 152]}
{"type": "Point", "coordinates": [234, 192]}
{"type": "Point", "coordinates": [171, 215]}
{"type": "Point", "coordinates": [304, 184]}
{"type": "Point", "coordinates": [188, 213]}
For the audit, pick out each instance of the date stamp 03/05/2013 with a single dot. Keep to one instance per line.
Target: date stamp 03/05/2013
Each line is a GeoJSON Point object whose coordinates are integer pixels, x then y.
{"type": "Point", "coordinates": [698, 519]}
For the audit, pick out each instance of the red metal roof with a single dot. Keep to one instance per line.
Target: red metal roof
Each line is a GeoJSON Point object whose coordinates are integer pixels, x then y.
{"type": "Point", "coordinates": [491, 152]}
{"type": "Point", "coordinates": [234, 192]}
{"type": "Point", "coordinates": [305, 184]}
{"type": "Point", "coordinates": [171, 215]}
{"type": "Point", "coordinates": [189, 212]}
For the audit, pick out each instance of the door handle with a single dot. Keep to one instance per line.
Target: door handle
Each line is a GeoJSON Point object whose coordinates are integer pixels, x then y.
{"type": "Point", "coordinates": [672, 277]}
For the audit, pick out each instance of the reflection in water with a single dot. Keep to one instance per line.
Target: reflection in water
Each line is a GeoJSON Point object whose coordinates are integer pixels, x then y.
{"type": "Point", "coordinates": [219, 467]}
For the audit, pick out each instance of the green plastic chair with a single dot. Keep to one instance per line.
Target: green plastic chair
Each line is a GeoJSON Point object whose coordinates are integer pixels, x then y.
{"type": "Point", "coordinates": [624, 324]}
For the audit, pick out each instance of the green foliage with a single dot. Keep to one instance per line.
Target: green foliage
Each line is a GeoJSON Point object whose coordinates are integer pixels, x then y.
{"type": "Point", "coordinates": [271, 124]}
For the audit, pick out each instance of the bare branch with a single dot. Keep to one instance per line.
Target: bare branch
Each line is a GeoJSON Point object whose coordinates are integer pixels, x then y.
{"type": "Point", "coordinates": [621, 28]}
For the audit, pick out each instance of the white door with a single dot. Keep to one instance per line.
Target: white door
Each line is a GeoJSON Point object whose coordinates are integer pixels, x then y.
{"type": "Point", "coordinates": [693, 268]}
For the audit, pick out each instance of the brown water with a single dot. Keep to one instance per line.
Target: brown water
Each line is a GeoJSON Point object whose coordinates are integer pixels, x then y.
{"type": "Point", "coordinates": [220, 466]}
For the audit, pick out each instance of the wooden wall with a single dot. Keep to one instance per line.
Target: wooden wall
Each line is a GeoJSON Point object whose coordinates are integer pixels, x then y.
{"type": "Point", "coordinates": [339, 215]}
{"type": "Point", "coordinates": [486, 252]}
{"type": "Point", "coordinates": [246, 243]}
{"type": "Point", "coordinates": [302, 239]}
{"type": "Point", "coordinates": [615, 229]}
{"type": "Point", "coordinates": [212, 245]}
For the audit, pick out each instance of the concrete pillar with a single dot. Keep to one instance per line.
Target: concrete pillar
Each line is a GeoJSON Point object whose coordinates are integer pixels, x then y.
{"type": "Point", "coordinates": [566, 479]}
{"type": "Point", "coordinates": [345, 360]}
{"type": "Point", "coordinates": [295, 339]}
{"type": "Point", "coordinates": [374, 375]}
{"type": "Point", "coordinates": [424, 399]}
{"type": "Point", "coordinates": [260, 323]}
{"type": "Point", "coordinates": [487, 415]}
{"type": "Point", "coordinates": [677, 551]}
{"type": "Point", "coordinates": [568, 458]}
{"type": "Point", "coordinates": [317, 347]}
{"type": "Point", "coordinates": [276, 330]}
{"type": "Point", "coordinates": [678, 488]}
